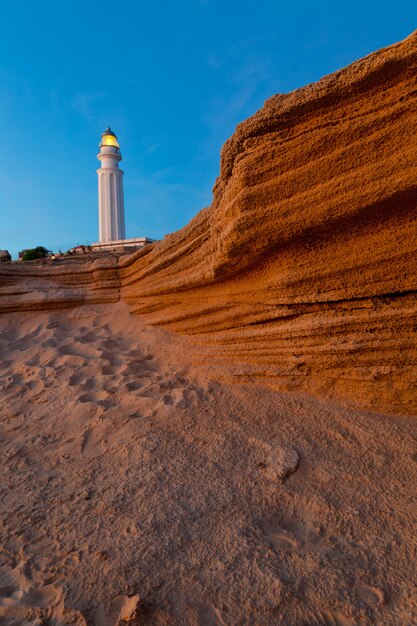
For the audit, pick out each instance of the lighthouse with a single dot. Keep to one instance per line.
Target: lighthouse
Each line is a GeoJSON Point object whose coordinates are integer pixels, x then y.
{"type": "Point", "coordinates": [111, 212]}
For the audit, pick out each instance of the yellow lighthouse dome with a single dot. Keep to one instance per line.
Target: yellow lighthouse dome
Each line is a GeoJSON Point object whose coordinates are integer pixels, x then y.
{"type": "Point", "coordinates": [108, 138]}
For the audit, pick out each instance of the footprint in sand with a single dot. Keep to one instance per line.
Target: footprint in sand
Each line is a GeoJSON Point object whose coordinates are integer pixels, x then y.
{"type": "Point", "coordinates": [51, 342]}
{"type": "Point", "coordinates": [283, 535]}
{"type": "Point", "coordinates": [97, 397]}
{"type": "Point", "coordinates": [29, 615]}
{"type": "Point", "coordinates": [113, 359]}
{"type": "Point", "coordinates": [4, 365]}
{"type": "Point", "coordinates": [52, 326]}
{"type": "Point", "coordinates": [296, 534]}
{"type": "Point", "coordinates": [86, 338]}
{"type": "Point", "coordinates": [146, 405]}
{"type": "Point", "coordinates": [210, 616]}
{"type": "Point", "coordinates": [93, 445]}
{"type": "Point", "coordinates": [35, 386]}
{"type": "Point", "coordinates": [114, 345]}
{"type": "Point", "coordinates": [18, 591]}
{"type": "Point", "coordinates": [47, 596]}
{"type": "Point", "coordinates": [86, 352]}
{"type": "Point", "coordinates": [68, 360]}
{"type": "Point", "coordinates": [138, 366]}
{"type": "Point", "coordinates": [93, 383]}
{"type": "Point", "coordinates": [135, 387]}
{"type": "Point", "coordinates": [284, 540]}
{"type": "Point", "coordinates": [327, 618]}
{"type": "Point", "coordinates": [370, 596]}
{"type": "Point", "coordinates": [76, 379]}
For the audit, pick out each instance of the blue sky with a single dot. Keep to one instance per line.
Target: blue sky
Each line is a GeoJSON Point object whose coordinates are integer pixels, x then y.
{"type": "Point", "coordinates": [172, 79]}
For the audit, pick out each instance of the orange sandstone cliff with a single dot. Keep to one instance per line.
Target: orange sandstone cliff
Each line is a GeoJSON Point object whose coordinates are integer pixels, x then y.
{"type": "Point", "coordinates": [302, 272]}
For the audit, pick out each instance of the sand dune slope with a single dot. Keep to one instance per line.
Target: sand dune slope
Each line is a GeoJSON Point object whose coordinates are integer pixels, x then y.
{"type": "Point", "coordinates": [134, 486]}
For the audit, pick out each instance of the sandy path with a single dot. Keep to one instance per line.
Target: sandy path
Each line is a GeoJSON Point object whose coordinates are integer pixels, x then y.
{"type": "Point", "coordinates": [126, 471]}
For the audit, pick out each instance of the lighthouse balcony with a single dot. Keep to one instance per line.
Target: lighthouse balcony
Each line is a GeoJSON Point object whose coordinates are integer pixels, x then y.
{"type": "Point", "coordinates": [122, 245]}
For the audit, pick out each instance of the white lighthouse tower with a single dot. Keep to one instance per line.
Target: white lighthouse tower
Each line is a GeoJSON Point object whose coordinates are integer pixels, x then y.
{"type": "Point", "coordinates": [111, 212]}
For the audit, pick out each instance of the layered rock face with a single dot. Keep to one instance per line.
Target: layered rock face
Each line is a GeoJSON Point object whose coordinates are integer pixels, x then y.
{"type": "Point", "coordinates": [44, 286]}
{"type": "Point", "coordinates": [302, 273]}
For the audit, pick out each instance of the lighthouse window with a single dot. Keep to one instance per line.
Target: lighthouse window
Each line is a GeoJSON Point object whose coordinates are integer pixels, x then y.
{"type": "Point", "coordinates": [110, 140]}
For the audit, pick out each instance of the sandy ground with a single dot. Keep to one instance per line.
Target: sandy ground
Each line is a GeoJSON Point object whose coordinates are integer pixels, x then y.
{"type": "Point", "coordinates": [136, 487]}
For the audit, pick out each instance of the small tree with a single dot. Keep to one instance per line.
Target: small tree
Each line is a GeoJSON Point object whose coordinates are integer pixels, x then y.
{"type": "Point", "coordinates": [34, 253]}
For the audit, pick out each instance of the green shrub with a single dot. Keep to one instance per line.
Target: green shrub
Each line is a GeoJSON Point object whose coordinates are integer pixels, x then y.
{"type": "Point", "coordinates": [34, 253]}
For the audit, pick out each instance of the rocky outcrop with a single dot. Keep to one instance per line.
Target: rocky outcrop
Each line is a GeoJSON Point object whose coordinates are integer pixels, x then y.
{"type": "Point", "coordinates": [302, 273]}
{"type": "Point", "coordinates": [45, 285]}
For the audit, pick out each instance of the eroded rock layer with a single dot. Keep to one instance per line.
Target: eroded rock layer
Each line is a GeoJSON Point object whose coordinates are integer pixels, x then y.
{"type": "Point", "coordinates": [303, 270]}
{"type": "Point", "coordinates": [44, 285]}
{"type": "Point", "coordinates": [302, 273]}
